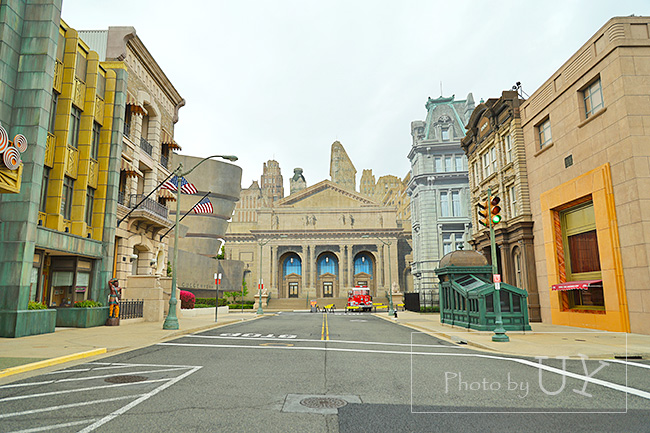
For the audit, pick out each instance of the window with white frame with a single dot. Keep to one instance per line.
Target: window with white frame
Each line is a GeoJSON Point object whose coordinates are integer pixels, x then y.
{"type": "Point", "coordinates": [459, 162]}
{"type": "Point", "coordinates": [439, 168]}
{"type": "Point", "coordinates": [444, 203]}
{"type": "Point", "coordinates": [450, 203]}
{"type": "Point", "coordinates": [544, 133]}
{"type": "Point", "coordinates": [493, 158]}
{"type": "Point", "coordinates": [508, 146]}
{"type": "Point", "coordinates": [593, 97]}
{"type": "Point", "coordinates": [445, 134]}
{"type": "Point", "coordinates": [446, 243]}
{"type": "Point", "coordinates": [455, 203]}
{"type": "Point", "coordinates": [512, 195]}
{"type": "Point", "coordinates": [487, 167]}
{"type": "Point", "coordinates": [449, 164]}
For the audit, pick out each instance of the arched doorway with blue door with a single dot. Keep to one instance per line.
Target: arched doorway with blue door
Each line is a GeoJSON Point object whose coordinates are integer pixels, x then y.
{"type": "Point", "coordinates": [328, 275]}
{"type": "Point", "coordinates": [291, 275]}
{"type": "Point", "coordinates": [364, 265]}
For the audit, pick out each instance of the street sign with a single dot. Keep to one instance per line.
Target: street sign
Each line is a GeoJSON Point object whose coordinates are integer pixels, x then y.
{"type": "Point", "coordinates": [496, 278]}
{"type": "Point", "coordinates": [497, 286]}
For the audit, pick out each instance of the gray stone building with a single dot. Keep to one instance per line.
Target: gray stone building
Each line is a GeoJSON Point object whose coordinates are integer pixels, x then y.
{"type": "Point", "coordinates": [439, 186]}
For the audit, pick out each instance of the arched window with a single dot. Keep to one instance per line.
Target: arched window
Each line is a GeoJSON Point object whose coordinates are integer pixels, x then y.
{"type": "Point", "coordinates": [327, 264]}
{"type": "Point", "coordinates": [363, 263]}
{"type": "Point", "coordinates": [292, 265]}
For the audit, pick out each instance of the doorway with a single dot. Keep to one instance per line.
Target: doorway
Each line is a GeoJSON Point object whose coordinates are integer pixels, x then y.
{"type": "Point", "coordinates": [328, 290]}
{"type": "Point", "coordinates": [293, 290]}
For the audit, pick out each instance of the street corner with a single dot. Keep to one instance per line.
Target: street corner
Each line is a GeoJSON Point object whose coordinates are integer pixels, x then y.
{"type": "Point", "coordinates": [50, 362]}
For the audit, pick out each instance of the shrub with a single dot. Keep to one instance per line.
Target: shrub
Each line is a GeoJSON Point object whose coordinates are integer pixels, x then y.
{"type": "Point", "coordinates": [240, 306]}
{"type": "Point", "coordinates": [36, 306]}
{"type": "Point", "coordinates": [205, 301]}
{"type": "Point", "coordinates": [434, 309]}
{"type": "Point", "coordinates": [187, 300]}
{"type": "Point", "coordinates": [88, 303]}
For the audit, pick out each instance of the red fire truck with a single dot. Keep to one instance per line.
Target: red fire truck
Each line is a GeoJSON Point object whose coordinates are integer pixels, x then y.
{"type": "Point", "coordinates": [359, 299]}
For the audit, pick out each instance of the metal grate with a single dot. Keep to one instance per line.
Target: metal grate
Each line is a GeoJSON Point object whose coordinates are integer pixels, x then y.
{"type": "Point", "coordinates": [131, 308]}
{"type": "Point", "coordinates": [323, 402]}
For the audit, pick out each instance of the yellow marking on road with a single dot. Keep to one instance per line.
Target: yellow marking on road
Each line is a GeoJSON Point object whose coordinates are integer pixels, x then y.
{"type": "Point", "coordinates": [325, 331]}
{"type": "Point", "coordinates": [277, 344]}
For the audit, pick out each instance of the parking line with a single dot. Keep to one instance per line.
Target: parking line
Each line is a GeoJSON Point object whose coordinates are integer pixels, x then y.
{"type": "Point", "coordinates": [67, 406]}
{"type": "Point", "coordinates": [55, 426]}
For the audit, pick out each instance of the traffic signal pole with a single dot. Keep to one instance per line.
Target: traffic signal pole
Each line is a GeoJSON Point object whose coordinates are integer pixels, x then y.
{"type": "Point", "coordinates": [499, 331]}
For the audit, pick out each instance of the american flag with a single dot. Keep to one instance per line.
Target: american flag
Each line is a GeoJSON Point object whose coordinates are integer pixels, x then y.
{"type": "Point", "coordinates": [204, 206]}
{"type": "Point", "coordinates": [186, 187]}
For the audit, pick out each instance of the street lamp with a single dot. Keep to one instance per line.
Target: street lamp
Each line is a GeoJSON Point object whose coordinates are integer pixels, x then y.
{"type": "Point", "coordinates": [391, 310]}
{"type": "Point", "coordinates": [171, 321]}
{"type": "Point", "coordinates": [259, 307]}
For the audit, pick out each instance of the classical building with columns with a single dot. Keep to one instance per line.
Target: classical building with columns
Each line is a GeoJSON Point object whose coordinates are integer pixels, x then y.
{"type": "Point", "coordinates": [321, 240]}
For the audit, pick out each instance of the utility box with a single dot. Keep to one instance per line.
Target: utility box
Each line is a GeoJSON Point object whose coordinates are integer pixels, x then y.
{"type": "Point", "coordinates": [467, 295]}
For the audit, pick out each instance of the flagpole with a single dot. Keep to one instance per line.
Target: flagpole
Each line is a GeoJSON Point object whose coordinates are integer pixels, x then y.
{"type": "Point", "coordinates": [191, 209]}
{"type": "Point", "coordinates": [142, 201]}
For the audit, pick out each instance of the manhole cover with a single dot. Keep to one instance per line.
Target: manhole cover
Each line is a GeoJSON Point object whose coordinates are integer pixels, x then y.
{"type": "Point", "coordinates": [323, 402]}
{"type": "Point", "coordinates": [125, 379]}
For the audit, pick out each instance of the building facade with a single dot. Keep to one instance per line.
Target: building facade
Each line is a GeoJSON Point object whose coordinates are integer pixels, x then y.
{"type": "Point", "coordinates": [319, 241]}
{"type": "Point", "coordinates": [494, 145]}
{"type": "Point", "coordinates": [61, 226]}
{"type": "Point", "coordinates": [438, 187]}
{"type": "Point", "coordinates": [147, 144]}
{"type": "Point", "coordinates": [586, 134]}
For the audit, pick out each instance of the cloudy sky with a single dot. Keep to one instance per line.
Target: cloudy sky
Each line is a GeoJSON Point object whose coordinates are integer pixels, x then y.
{"type": "Point", "coordinates": [283, 79]}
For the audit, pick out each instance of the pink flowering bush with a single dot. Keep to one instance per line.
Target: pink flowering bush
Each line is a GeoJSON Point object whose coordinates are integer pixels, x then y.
{"type": "Point", "coordinates": [187, 300]}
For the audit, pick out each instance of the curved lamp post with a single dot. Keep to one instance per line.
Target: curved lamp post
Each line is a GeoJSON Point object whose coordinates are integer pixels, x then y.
{"type": "Point", "coordinates": [391, 310]}
{"type": "Point", "coordinates": [171, 321]}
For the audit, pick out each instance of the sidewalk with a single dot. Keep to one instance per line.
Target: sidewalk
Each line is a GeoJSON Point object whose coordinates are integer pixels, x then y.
{"type": "Point", "coordinates": [544, 339]}
{"type": "Point", "coordinates": [19, 356]}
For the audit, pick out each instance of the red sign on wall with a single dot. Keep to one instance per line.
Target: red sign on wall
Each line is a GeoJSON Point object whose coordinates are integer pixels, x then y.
{"type": "Point", "coordinates": [496, 278]}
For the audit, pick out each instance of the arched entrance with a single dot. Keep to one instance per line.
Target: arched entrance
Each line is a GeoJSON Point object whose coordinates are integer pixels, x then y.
{"type": "Point", "coordinates": [328, 271]}
{"type": "Point", "coordinates": [291, 275]}
{"type": "Point", "coordinates": [364, 264]}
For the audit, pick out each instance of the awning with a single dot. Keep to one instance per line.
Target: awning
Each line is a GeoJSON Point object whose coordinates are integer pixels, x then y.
{"type": "Point", "coordinates": [130, 170]}
{"type": "Point", "coordinates": [576, 285]}
{"type": "Point", "coordinates": [169, 141]}
{"type": "Point", "coordinates": [136, 107]}
{"type": "Point", "coordinates": [166, 194]}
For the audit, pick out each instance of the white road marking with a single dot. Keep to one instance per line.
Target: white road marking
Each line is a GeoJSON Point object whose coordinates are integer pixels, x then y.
{"type": "Point", "coordinates": [536, 365]}
{"type": "Point", "coordinates": [373, 343]}
{"type": "Point", "coordinates": [632, 364]}
{"type": "Point", "coordinates": [69, 391]}
{"type": "Point", "coordinates": [68, 406]}
{"type": "Point", "coordinates": [137, 402]}
{"type": "Point", "coordinates": [54, 426]}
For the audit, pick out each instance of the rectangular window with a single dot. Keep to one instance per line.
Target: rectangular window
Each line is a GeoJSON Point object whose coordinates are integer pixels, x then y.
{"type": "Point", "coordinates": [54, 103]}
{"type": "Point", "coordinates": [94, 147]}
{"type": "Point", "coordinates": [82, 65]}
{"type": "Point", "coordinates": [73, 134]}
{"type": "Point", "coordinates": [486, 165]}
{"type": "Point", "coordinates": [493, 157]}
{"type": "Point", "coordinates": [459, 162]}
{"type": "Point", "coordinates": [513, 201]}
{"type": "Point", "coordinates": [127, 121]}
{"type": "Point", "coordinates": [44, 185]}
{"type": "Point", "coordinates": [60, 47]}
{"type": "Point", "coordinates": [439, 165]}
{"type": "Point", "coordinates": [101, 86]}
{"type": "Point", "coordinates": [581, 255]}
{"type": "Point", "coordinates": [446, 243]}
{"type": "Point", "coordinates": [90, 201]}
{"type": "Point", "coordinates": [448, 164]}
{"type": "Point", "coordinates": [445, 134]}
{"type": "Point", "coordinates": [66, 198]}
{"type": "Point", "coordinates": [508, 146]}
{"type": "Point", "coordinates": [444, 203]}
{"type": "Point", "coordinates": [544, 133]}
{"type": "Point", "coordinates": [593, 97]}
{"type": "Point", "coordinates": [455, 200]}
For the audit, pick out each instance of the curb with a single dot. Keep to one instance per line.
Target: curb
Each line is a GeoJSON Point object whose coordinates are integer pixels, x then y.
{"type": "Point", "coordinates": [49, 362]}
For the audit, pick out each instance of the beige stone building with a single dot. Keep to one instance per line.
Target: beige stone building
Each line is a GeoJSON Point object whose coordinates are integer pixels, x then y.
{"type": "Point", "coordinates": [494, 145]}
{"type": "Point", "coordinates": [586, 132]}
{"type": "Point", "coordinates": [319, 241]}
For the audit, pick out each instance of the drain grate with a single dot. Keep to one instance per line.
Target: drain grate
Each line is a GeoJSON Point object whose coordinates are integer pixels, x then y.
{"type": "Point", "coordinates": [125, 379]}
{"type": "Point", "coordinates": [323, 402]}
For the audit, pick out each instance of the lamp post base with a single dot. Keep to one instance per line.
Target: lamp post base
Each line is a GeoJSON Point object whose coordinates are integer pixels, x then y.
{"type": "Point", "coordinates": [170, 323]}
{"type": "Point", "coordinates": [500, 335]}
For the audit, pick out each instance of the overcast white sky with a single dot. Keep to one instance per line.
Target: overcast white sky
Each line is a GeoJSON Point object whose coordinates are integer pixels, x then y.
{"type": "Point", "coordinates": [280, 79]}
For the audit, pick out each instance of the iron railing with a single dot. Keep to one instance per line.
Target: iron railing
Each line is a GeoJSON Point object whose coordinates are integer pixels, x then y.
{"type": "Point", "coordinates": [149, 205]}
{"type": "Point", "coordinates": [164, 161]}
{"type": "Point", "coordinates": [146, 146]}
{"type": "Point", "coordinates": [417, 301]}
{"type": "Point", "coordinates": [127, 129]}
{"type": "Point", "coordinates": [131, 308]}
{"type": "Point", "coordinates": [120, 198]}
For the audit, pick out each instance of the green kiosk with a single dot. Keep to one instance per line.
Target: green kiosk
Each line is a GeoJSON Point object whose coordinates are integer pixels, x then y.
{"type": "Point", "coordinates": [467, 295]}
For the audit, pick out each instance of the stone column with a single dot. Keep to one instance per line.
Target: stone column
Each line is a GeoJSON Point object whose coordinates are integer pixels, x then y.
{"type": "Point", "coordinates": [340, 271]}
{"type": "Point", "coordinates": [305, 259]}
{"type": "Point", "coordinates": [350, 267]}
{"type": "Point", "coordinates": [274, 267]}
{"type": "Point", "coordinates": [312, 268]}
{"type": "Point", "coordinates": [381, 276]}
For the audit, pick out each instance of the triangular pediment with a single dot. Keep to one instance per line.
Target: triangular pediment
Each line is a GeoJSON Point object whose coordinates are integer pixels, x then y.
{"type": "Point", "coordinates": [326, 194]}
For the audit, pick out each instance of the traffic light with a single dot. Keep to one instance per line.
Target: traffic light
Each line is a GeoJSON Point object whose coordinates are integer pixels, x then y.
{"type": "Point", "coordinates": [495, 210]}
{"type": "Point", "coordinates": [483, 213]}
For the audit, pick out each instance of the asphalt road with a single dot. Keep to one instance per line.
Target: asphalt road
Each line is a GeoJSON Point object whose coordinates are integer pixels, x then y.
{"type": "Point", "coordinates": [304, 372]}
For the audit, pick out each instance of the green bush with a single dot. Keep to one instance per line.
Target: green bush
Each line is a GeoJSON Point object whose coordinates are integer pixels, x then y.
{"type": "Point", "coordinates": [434, 309]}
{"type": "Point", "coordinates": [88, 303]}
{"type": "Point", "coordinates": [36, 306]}
{"type": "Point", "coordinates": [239, 306]}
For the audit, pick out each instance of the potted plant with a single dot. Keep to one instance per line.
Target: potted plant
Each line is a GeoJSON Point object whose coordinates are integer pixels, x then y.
{"type": "Point", "coordinates": [83, 314]}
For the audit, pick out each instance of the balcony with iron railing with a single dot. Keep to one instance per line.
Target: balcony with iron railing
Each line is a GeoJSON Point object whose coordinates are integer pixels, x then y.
{"type": "Point", "coordinates": [164, 161]}
{"type": "Point", "coordinates": [149, 211]}
{"type": "Point", "coordinates": [146, 146]}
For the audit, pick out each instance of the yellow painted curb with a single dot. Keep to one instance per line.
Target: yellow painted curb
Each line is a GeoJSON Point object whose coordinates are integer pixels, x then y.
{"type": "Point", "coordinates": [49, 362]}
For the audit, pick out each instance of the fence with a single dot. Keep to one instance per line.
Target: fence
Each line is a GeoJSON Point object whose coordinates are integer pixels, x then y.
{"type": "Point", "coordinates": [416, 301]}
{"type": "Point", "coordinates": [131, 308]}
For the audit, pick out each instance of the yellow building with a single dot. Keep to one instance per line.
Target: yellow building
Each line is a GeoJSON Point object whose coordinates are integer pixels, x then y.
{"type": "Point", "coordinates": [586, 131]}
